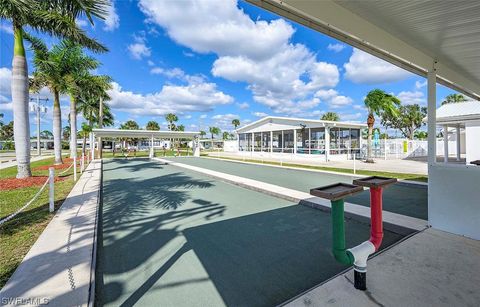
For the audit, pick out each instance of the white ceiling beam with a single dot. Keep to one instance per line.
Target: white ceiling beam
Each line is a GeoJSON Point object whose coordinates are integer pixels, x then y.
{"type": "Point", "coordinates": [334, 20]}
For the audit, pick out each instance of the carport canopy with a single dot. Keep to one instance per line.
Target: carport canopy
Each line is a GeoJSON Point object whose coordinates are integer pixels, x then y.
{"type": "Point", "coordinates": [157, 134]}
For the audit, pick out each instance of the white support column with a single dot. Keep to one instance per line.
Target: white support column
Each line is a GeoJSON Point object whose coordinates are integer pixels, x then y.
{"type": "Point", "coordinates": [445, 143]}
{"type": "Point", "coordinates": [327, 143]}
{"type": "Point", "coordinates": [295, 141]}
{"type": "Point", "coordinates": [271, 141]}
{"type": "Point", "coordinates": [253, 142]}
{"type": "Point", "coordinates": [458, 143]}
{"type": "Point", "coordinates": [92, 145]}
{"type": "Point", "coordinates": [151, 147]}
{"type": "Point", "coordinates": [432, 115]}
{"type": "Point", "coordinates": [309, 141]}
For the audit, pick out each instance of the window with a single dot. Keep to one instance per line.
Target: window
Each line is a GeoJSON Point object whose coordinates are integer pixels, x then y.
{"type": "Point", "coordinates": [317, 141]}
{"type": "Point", "coordinates": [242, 142]}
{"type": "Point", "coordinates": [257, 141]}
{"type": "Point", "coordinates": [288, 141]}
{"type": "Point", "coordinates": [277, 141]}
{"type": "Point", "coordinates": [266, 141]}
{"type": "Point", "coordinates": [302, 140]}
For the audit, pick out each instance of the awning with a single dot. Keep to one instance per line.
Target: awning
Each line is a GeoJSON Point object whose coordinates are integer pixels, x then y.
{"type": "Point", "coordinates": [145, 134]}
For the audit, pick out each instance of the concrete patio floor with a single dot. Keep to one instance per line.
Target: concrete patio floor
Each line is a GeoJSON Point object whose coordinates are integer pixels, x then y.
{"type": "Point", "coordinates": [431, 268]}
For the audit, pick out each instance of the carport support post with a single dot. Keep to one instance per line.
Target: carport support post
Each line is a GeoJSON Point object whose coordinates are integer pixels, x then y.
{"type": "Point", "coordinates": [92, 145]}
{"type": "Point", "coordinates": [51, 179]}
{"type": "Point", "coordinates": [432, 114]}
{"type": "Point", "coordinates": [445, 144]}
{"type": "Point", "coordinates": [327, 143]}
{"type": "Point", "coordinates": [151, 147]}
{"type": "Point", "coordinates": [458, 142]}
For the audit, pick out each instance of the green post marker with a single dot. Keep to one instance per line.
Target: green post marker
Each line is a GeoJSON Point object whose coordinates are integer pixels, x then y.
{"type": "Point", "coordinates": [338, 233]}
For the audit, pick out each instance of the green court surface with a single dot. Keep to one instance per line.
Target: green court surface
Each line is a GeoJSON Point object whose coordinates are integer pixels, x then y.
{"type": "Point", "coordinates": [172, 237]}
{"type": "Point", "coordinates": [406, 199]}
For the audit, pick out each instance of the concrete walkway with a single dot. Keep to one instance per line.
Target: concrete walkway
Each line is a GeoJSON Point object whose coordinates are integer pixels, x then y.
{"type": "Point", "coordinates": [390, 219]}
{"type": "Point", "coordinates": [58, 269]}
{"type": "Point", "coordinates": [13, 161]}
{"type": "Point", "coordinates": [432, 268]}
{"type": "Point", "coordinates": [390, 165]}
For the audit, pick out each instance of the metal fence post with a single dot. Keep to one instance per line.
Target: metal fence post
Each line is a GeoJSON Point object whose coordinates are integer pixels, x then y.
{"type": "Point", "coordinates": [82, 164]}
{"type": "Point", "coordinates": [51, 176]}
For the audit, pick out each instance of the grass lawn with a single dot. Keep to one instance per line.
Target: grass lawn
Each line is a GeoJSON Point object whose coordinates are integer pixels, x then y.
{"type": "Point", "coordinates": [20, 233]}
{"type": "Point", "coordinates": [413, 177]}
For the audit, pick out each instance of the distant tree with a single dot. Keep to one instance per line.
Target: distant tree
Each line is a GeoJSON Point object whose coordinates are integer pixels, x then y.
{"type": "Point", "coordinates": [202, 134]}
{"type": "Point", "coordinates": [153, 125]}
{"type": "Point", "coordinates": [180, 128]}
{"type": "Point", "coordinates": [236, 123]}
{"type": "Point", "coordinates": [6, 131]}
{"type": "Point", "coordinates": [378, 102]}
{"type": "Point", "coordinates": [331, 116]}
{"type": "Point", "coordinates": [130, 125]}
{"type": "Point", "coordinates": [407, 119]}
{"type": "Point", "coordinates": [226, 135]}
{"type": "Point", "coordinates": [420, 135]}
{"type": "Point", "coordinates": [454, 98]}
{"type": "Point", "coordinates": [171, 119]}
{"type": "Point", "coordinates": [1, 117]}
{"type": "Point", "coordinates": [46, 134]}
{"type": "Point", "coordinates": [214, 131]}
{"type": "Point", "coordinates": [66, 133]}
{"type": "Point", "coordinates": [84, 132]}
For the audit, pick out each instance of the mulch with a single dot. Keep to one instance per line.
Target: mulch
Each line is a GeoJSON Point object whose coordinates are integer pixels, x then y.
{"type": "Point", "coordinates": [14, 183]}
{"type": "Point", "coordinates": [66, 164]}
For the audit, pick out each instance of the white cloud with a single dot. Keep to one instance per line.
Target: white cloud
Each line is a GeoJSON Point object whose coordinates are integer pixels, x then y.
{"type": "Point", "coordinates": [81, 22]}
{"type": "Point", "coordinates": [5, 81]}
{"type": "Point", "coordinates": [150, 63]}
{"type": "Point", "coordinates": [169, 73]}
{"type": "Point", "coordinates": [224, 121]}
{"type": "Point", "coordinates": [336, 47]}
{"type": "Point", "coordinates": [188, 54]}
{"type": "Point", "coordinates": [259, 114]}
{"type": "Point", "coordinates": [367, 69]}
{"type": "Point", "coordinates": [419, 84]}
{"type": "Point", "coordinates": [333, 99]}
{"type": "Point", "coordinates": [243, 105]}
{"type": "Point", "coordinates": [350, 116]}
{"type": "Point", "coordinates": [6, 27]}
{"type": "Point", "coordinates": [139, 50]}
{"type": "Point", "coordinates": [112, 21]}
{"type": "Point", "coordinates": [203, 116]}
{"type": "Point", "coordinates": [281, 75]}
{"type": "Point", "coordinates": [416, 97]}
{"type": "Point", "coordinates": [194, 96]}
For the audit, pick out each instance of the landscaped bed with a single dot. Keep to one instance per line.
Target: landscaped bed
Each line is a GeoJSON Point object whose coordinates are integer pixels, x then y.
{"type": "Point", "coordinates": [21, 232]}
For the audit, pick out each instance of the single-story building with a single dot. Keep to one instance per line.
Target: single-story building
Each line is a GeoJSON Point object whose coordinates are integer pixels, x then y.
{"type": "Point", "coordinates": [463, 119]}
{"type": "Point", "coordinates": [327, 139]}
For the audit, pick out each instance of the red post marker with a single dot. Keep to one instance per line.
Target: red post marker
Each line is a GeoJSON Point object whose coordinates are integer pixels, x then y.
{"type": "Point", "coordinates": [376, 229]}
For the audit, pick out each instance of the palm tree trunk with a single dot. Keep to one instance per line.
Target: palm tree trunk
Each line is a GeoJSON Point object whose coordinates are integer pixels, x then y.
{"type": "Point", "coordinates": [57, 128]}
{"type": "Point", "coordinates": [84, 144]}
{"type": "Point", "coordinates": [21, 124]}
{"type": "Point", "coordinates": [370, 123]}
{"type": "Point", "coordinates": [73, 126]}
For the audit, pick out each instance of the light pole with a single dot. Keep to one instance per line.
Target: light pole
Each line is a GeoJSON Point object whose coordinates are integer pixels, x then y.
{"type": "Point", "coordinates": [38, 109]}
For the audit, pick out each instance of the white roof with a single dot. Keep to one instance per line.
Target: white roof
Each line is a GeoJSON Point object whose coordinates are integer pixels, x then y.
{"type": "Point", "coordinates": [461, 112]}
{"type": "Point", "coordinates": [145, 133]}
{"type": "Point", "coordinates": [409, 33]}
{"type": "Point", "coordinates": [288, 122]}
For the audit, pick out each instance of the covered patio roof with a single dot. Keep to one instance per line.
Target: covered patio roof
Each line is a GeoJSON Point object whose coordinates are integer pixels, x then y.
{"type": "Point", "coordinates": [145, 134]}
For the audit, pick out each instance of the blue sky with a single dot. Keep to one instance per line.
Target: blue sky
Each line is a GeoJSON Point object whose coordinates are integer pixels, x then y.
{"type": "Point", "coordinates": [212, 61]}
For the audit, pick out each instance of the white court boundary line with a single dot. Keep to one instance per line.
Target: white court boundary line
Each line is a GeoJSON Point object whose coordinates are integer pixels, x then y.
{"type": "Point", "coordinates": [298, 196]}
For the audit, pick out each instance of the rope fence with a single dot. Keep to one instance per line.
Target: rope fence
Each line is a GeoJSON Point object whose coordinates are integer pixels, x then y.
{"type": "Point", "coordinates": [51, 181]}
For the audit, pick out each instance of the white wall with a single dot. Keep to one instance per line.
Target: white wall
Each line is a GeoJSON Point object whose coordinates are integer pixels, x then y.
{"type": "Point", "coordinates": [472, 141]}
{"type": "Point", "coordinates": [230, 146]}
{"type": "Point", "coordinates": [454, 199]}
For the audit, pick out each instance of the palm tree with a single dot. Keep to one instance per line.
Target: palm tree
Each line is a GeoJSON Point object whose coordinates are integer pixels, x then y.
{"type": "Point", "coordinates": [226, 135]}
{"type": "Point", "coordinates": [66, 133]}
{"type": "Point", "coordinates": [77, 80]}
{"type": "Point", "coordinates": [202, 134]}
{"type": "Point", "coordinates": [377, 103]}
{"type": "Point", "coordinates": [153, 125]}
{"type": "Point", "coordinates": [180, 128]}
{"type": "Point", "coordinates": [84, 132]}
{"type": "Point", "coordinates": [331, 116]}
{"type": "Point", "coordinates": [46, 134]}
{"type": "Point", "coordinates": [52, 17]}
{"type": "Point", "coordinates": [130, 125]}
{"type": "Point", "coordinates": [214, 131]}
{"type": "Point", "coordinates": [171, 119]}
{"type": "Point", "coordinates": [454, 98]}
{"type": "Point", "coordinates": [236, 123]}
{"type": "Point", "coordinates": [89, 106]}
